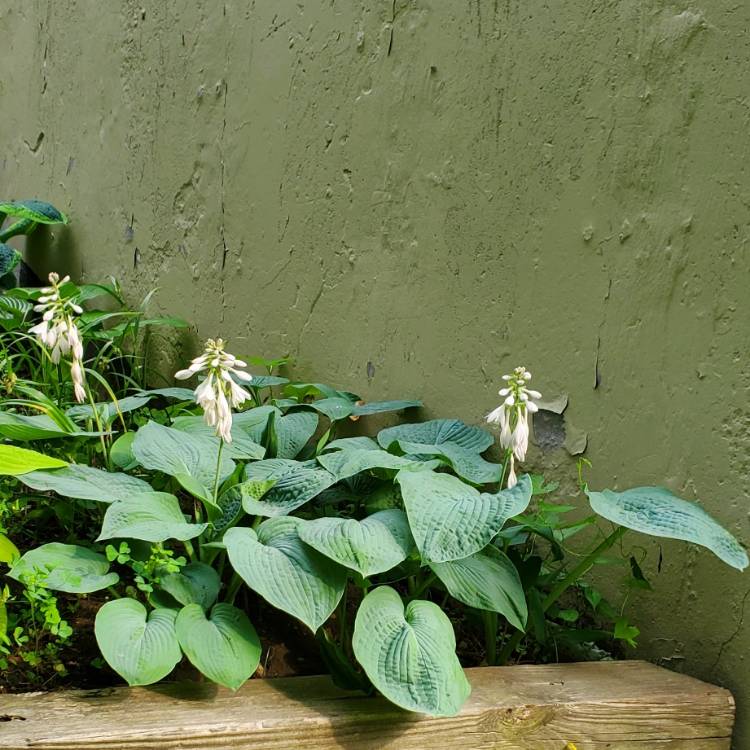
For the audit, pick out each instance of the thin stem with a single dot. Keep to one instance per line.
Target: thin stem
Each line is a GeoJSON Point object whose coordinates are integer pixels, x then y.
{"type": "Point", "coordinates": [422, 587]}
{"type": "Point", "coordinates": [562, 586]}
{"type": "Point", "coordinates": [218, 469]}
{"type": "Point", "coordinates": [343, 628]}
{"type": "Point", "coordinates": [234, 587]}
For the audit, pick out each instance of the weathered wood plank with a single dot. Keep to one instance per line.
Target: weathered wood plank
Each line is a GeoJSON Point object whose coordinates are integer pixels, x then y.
{"type": "Point", "coordinates": [612, 705]}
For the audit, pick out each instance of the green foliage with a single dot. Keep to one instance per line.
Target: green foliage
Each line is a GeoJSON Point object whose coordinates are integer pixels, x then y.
{"type": "Point", "coordinates": [379, 544]}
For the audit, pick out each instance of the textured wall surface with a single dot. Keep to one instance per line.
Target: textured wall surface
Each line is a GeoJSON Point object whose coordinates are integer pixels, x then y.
{"type": "Point", "coordinates": [441, 190]}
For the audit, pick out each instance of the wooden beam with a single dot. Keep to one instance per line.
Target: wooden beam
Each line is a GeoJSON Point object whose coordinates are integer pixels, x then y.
{"type": "Point", "coordinates": [613, 705]}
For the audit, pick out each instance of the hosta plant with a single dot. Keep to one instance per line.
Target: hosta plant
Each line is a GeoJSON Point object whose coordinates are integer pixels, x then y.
{"type": "Point", "coordinates": [254, 488]}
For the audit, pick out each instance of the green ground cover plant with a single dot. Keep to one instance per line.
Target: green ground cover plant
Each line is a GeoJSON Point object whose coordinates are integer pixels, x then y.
{"type": "Point", "coordinates": [174, 509]}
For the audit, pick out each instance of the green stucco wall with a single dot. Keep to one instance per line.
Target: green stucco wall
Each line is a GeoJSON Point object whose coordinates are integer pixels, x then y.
{"type": "Point", "coordinates": [441, 189]}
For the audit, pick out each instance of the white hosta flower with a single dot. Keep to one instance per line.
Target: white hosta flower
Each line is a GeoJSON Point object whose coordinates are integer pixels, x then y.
{"type": "Point", "coordinates": [512, 416]}
{"type": "Point", "coordinates": [58, 331]}
{"type": "Point", "coordinates": [219, 392]}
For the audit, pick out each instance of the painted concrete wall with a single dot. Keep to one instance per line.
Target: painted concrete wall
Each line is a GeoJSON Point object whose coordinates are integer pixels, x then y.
{"type": "Point", "coordinates": [442, 190]}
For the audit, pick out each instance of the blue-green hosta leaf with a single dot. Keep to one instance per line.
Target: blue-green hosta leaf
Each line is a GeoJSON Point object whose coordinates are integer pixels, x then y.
{"type": "Point", "coordinates": [351, 443]}
{"type": "Point", "coordinates": [267, 381]}
{"type": "Point", "coordinates": [242, 446]}
{"type": "Point", "coordinates": [151, 516]}
{"type": "Point", "coordinates": [224, 646]}
{"type": "Point", "coordinates": [300, 391]}
{"type": "Point", "coordinates": [296, 483]}
{"type": "Point", "coordinates": [253, 422]}
{"type": "Point", "coordinates": [86, 483]}
{"type": "Point", "coordinates": [65, 567]}
{"type": "Point", "coordinates": [232, 501]}
{"type": "Point", "coordinates": [190, 459]}
{"type": "Point", "coordinates": [292, 432]}
{"type": "Point", "coordinates": [410, 654]}
{"type": "Point", "coordinates": [285, 571]}
{"type": "Point", "coordinates": [39, 211]}
{"type": "Point", "coordinates": [15, 461]}
{"type": "Point", "coordinates": [467, 463]}
{"type": "Point", "coordinates": [343, 464]}
{"type": "Point", "coordinates": [335, 408]}
{"type": "Point", "coordinates": [437, 432]}
{"type": "Point", "coordinates": [141, 648]}
{"type": "Point", "coordinates": [486, 580]}
{"type": "Point", "coordinates": [196, 583]}
{"type": "Point", "coordinates": [9, 258]}
{"type": "Point", "coordinates": [656, 511]}
{"type": "Point", "coordinates": [121, 452]}
{"type": "Point", "coordinates": [380, 407]}
{"type": "Point", "coordinates": [376, 544]}
{"type": "Point", "coordinates": [180, 394]}
{"type": "Point", "coordinates": [451, 520]}
{"type": "Point", "coordinates": [24, 428]}
{"type": "Point", "coordinates": [107, 411]}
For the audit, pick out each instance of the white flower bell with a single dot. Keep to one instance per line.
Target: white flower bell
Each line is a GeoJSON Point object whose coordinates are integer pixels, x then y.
{"type": "Point", "coordinates": [58, 330]}
{"type": "Point", "coordinates": [218, 393]}
{"type": "Point", "coordinates": [513, 417]}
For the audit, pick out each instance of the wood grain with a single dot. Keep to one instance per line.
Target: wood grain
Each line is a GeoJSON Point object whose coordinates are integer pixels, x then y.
{"type": "Point", "coordinates": [612, 705]}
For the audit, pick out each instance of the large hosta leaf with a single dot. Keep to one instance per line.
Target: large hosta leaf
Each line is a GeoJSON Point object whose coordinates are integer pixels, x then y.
{"type": "Point", "coordinates": [242, 446]}
{"type": "Point", "coordinates": [9, 258]}
{"type": "Point", "coordinates": [196, 583]}
{"type": "Point", "coordinates": [486, 580]}
{"type": "Point", "coordinates": [437, 432]}
{"type": "Point", "coordinates": [190, 459]}
{"type": "Point", "coordinates": [291, 433]}
{"type": "Point", "coordinates": [410, 654]}
{"type": "Point", "coordinates": [352, 443]}
{"type": "Point", "coordinates": [380, 407]}
{"type": "Point", "coordinates": [296, 483]}
{"type": "Point", "coordinates": [451, 520]}
{"type": "Point", "coordinates": [65, 567]}
{"type": "Point", "coordinates": [39, 211]}
{"type": "Point", "coordinates": [224, 646]}
{"type": "Point", "coordinates": [285, 571]}
{"type": "Point", "coordinates": [254, 422]}
{"type": "Point", "coordinates": [465, 462]}
{"type": "Point", "coordinates": [656, 511]}
{"type": "Point", "coordinates": [86, 483]}
{"type": "Point", "coordinates": [376, 544]}
{"type": "Point", "coordinates": [16, 461]}
{"type": "Point", "coordinates": [347, 463]}
{"type": "Point", "coordinates": [151, 516]}
{"type": "Point", "coordinates": [141, 648]}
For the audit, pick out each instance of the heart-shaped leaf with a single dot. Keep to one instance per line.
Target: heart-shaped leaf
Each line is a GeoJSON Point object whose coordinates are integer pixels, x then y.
{"type": "Point", "coordinates": [190, 459]}
{"type": "Point", "coordinates": [86, 483]}
{"type": "Point", "coordinates": [285, 571]}
{"type": "Point", "coordinates": [347, 463]}
{"type": "Point", "coordinates": [376, 544]}
{"type": "Point", "coordinates": [16, 461]}
{"type": "Point", "coordinates": [242, 446]}
{"type": "Point", "coordinates": [150, 516]}
{"type": "Point", "coordinates": [352, 443]}
{"type": "Point", "coordinates": [196, 583]}
{"type": "Point", "coordinates": [34, 210]}
{"type": "Point", "coordinates": [225, 646]}
{"type": "Point", "coordinates": [486, 580]}
{"type": "Point", "coordinates": [410, 655]}
{"type": "Point", "coordinates": [64, 567]}
{"type": "Point", "coordinates": [290, 434]}
{"type": "Point", "coordinates": [296, 483]}
{"type": "Point", "coordinates": [141, 648]}
{"type": "Point", "coordinates": [467, 463]}
{"type": "Point", "coordinates": [437, 432]}
{"type": "Point", "coordinates": [656, 511]}
{"type": "Point", "coordinates": [451, 520]}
